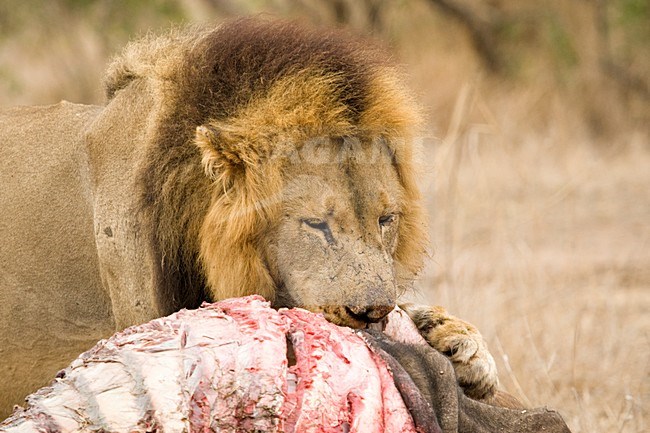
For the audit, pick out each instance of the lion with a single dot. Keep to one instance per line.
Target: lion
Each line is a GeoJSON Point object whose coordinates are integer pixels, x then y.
{"type": "Point", "coordinates": [258, 157]}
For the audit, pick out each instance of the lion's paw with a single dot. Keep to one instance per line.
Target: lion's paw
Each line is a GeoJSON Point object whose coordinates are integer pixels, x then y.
{"type": "Point", "coordinates": [460, 342]}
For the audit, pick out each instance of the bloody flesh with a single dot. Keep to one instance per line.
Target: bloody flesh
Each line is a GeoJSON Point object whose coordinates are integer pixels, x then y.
{"type": "Point", "coordinates": [223, 368]}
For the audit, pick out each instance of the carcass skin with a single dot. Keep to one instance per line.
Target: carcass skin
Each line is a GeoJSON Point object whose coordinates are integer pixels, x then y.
{"type": "Point", "coordinates": [415, 364]}
{"type": "Point", "coordinates": [222, 368]}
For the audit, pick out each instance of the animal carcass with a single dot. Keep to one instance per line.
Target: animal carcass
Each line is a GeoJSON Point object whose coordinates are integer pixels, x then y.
{"type": "Point", "coordinates": [241, 366]}
{"type": "Point", "coordinates": [222, 367]}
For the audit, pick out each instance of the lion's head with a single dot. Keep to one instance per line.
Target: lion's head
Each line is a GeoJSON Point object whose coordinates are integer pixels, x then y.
{"type": "Point", "coordinates": [282, 167]}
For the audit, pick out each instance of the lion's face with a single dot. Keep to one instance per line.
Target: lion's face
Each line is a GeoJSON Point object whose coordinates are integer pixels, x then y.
{"type": "Point", "coordinates": [333, 249]}
{"type": "Point", "coordinates": [295, 214]}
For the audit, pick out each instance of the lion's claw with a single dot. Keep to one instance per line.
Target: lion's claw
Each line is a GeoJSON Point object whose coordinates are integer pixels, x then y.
{"type": "Point", "coordinates": [462, 344]}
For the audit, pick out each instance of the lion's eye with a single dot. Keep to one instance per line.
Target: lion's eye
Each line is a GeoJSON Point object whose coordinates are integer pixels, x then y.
{"type": "Point", "coordinates": [322, 226]}
{"type": "Point", "coordinates": [316, 223]}
{"type": "Point", "coordinates": [387, 220]}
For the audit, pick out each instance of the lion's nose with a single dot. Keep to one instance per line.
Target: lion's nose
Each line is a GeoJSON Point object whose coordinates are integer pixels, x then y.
{"type": "Point", "coordinates": [369, 313]}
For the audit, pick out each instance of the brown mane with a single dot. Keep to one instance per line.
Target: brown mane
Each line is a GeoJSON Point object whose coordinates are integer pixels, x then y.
{"type": "Point", "coordinates": [268, 86]}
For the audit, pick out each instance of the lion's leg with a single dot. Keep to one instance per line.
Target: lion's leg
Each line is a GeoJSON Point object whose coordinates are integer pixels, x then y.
{"type": "Point", "coordinates": [461, 342]}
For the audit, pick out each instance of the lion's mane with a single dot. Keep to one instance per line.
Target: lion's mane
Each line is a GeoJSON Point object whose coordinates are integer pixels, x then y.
{"type": "Point", "coordinates": [266, 86]}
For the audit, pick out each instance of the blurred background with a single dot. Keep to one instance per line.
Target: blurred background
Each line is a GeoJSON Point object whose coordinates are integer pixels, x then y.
{"type": "Point", "coordinates": [535, 165]}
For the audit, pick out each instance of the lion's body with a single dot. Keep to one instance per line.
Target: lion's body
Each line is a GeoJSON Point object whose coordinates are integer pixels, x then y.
{"type": "Point", "coordinates": [52, 301]}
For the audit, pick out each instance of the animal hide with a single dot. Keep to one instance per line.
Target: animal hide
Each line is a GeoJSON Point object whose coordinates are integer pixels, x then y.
{"type": "Point", "coordinates": [241, 366]}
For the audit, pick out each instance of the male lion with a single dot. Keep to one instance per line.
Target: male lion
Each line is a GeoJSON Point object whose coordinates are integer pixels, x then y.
{"type": "Point", "coordinates": [260, 157]}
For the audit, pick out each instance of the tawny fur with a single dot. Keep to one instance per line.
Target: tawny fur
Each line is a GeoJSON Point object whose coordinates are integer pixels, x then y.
{"type": "Point", "coordinates": [465, 347]}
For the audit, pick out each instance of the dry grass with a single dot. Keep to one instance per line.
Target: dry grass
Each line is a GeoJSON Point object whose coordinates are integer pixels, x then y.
{"type": "Point", "coordinates": [543, 243]}
{"type": "Point", "coordinates": [549, 257]}
{"type": "Point", "coordinates": [540, 228]}
{"type": "Point", "coordinates": [540, 236]}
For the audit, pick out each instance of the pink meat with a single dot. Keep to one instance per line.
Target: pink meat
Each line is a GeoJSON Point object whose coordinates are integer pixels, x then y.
{"type": "Point", "coordinates": [222, 368]}
{"type": "Point", "coordinates": [342, 385]}
{"type": "Point", "coordinates": [399, 326]}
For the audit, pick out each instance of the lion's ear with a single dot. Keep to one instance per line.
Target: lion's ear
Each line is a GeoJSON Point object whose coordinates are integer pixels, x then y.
{"type": "Point", "coordinates": [219, 157]}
